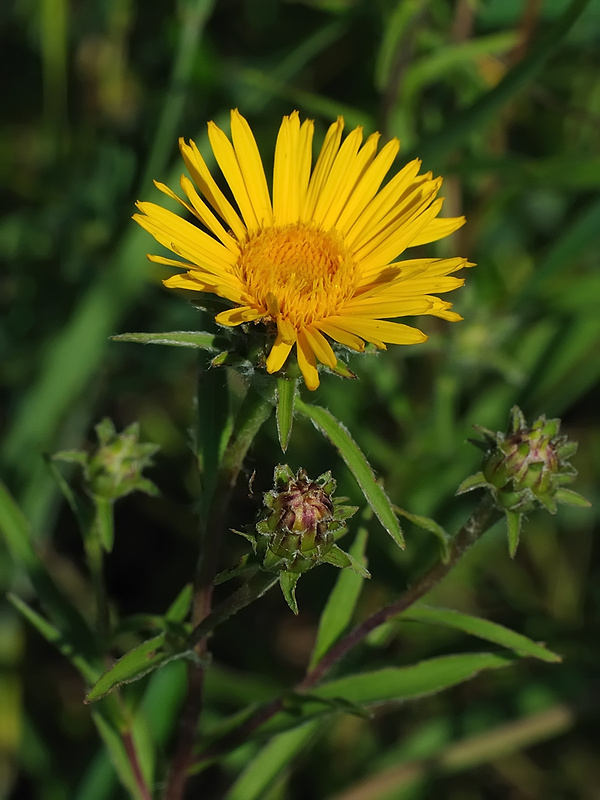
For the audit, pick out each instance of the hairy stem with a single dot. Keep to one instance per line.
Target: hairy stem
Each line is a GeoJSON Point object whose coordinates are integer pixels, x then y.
{"type": "Point", "coordinates": [255, 410]}
{"type": "Point", "coordinates": [128, 743]}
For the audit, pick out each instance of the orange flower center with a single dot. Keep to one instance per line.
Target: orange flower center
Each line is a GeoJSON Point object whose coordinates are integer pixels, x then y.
{"type": "Point", "coordinates": [297, 272]}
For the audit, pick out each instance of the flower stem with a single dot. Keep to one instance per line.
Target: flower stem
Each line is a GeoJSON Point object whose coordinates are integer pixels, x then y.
{"type": "Point", "coordinates": [103, 520]}
{"type": "Point", "coordinates": [484, 516]}
{"type": "Point", "coordinates": [255, 410]}
{"type": "Point", "coordinates": [128, 743]}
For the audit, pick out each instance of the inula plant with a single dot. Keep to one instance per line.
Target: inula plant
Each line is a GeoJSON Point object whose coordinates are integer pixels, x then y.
{"type": "Point", "coordinates": [277, 568]}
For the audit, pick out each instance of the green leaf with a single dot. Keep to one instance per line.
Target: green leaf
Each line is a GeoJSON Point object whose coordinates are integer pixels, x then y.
{"type": "Point", "coordinates": [145, 658]}
{"type": "Point", "coordinates": [483, 629]}
{"type": "Point", "coordinates": [288, 581]}
{"type": "Point", "coordinates": [341, 602]}
{"type": "Point", "coordinates": [179, 608]}
{"type": "Point", "coordinates": [337, 434]}
{"type": "Point", "coordinates": [513, 520]}
{"type": "Point", "coordinates": [571, 498]}
{"type": "Point", "coordinates": [295, 702]}
{"type": "Point", "coordinates": [112, 732]}
{"type": "Point", "coordinates": [430, 525]}
{"type": "Point", "coordinates": [56, 638]}
{"type": "Point", "coordinates": [64, 615]}
{"type": "Point", "coordinates": [475, 481]}
{"type": "Point", "coordinates": [104, 522]}
{"type": "Point", "coordinates": [342, 560]}
{"type": "Point", "coordinates": [275, 757]}
{"type": "Point", "coordinates": [417, 680]}
{"type": "Point", "coordinates": [213, 424]}
{"type": "Point", "coordinates": [286, 392]}
{"type": "Point", "coordinates": [196, 339]}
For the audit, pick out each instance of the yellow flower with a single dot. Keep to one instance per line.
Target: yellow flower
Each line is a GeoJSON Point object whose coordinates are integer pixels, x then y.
{"type": "Point", "coordinates": [317, 262]}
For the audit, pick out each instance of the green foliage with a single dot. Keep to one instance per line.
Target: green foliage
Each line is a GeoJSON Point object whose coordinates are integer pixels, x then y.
{"type": "Point", "coordinates": [502, 99]}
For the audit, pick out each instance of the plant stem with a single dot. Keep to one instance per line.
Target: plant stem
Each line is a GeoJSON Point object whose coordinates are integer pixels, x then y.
{"type": "Point", "coordinates": [128, 743]}
{"type": "Point", "coordinates": [484, 516]}
{"type": "Point", "coordinates": [255, 410]}
{"type": "Point", "coordinates": [94, 551]}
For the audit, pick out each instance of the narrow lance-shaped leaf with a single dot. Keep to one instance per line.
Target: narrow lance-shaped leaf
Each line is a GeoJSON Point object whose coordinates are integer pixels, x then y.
{"type": "Point", "coordinates": [143, 659]}
{"type": "Point", "coordinates": [286, 392]}
{"type": "Point", "coordinates": [65, 616]}
{"type": "Point", "coordinates": [482, 628]}
{"type": "Point", "coordinates": [430, 525]}
{"type": "Point", "coordinates": [341, 602]}
{"type": "Point", "coordinates": [196, 339]}
{"type": "Point", "coordinates": [337, 434]}
{"type": "Point", "coordinates": [55, 637]}
{"type": "Point", "coordinates": [276, 756]}
{"type": "Point", "coordinates": [404, 683]}
{"type": "Point", "coordinates": [288, 581]}
{"type": "Point", "coordinates": [393, 684]}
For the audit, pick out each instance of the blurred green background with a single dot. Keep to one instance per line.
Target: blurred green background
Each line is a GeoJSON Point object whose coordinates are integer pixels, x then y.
{"type": "Point", "coordinates": [502, 98]}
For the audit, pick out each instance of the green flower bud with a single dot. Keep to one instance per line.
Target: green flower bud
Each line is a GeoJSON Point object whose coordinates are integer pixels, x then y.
{"type": "Point", "coordinates": [525, 468]}
{"type": "Point", "coordinates": [115, 468]}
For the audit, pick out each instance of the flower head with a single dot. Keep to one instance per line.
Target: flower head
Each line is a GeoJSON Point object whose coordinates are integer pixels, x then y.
{"type": "Point", "coordinates": [316, 262]}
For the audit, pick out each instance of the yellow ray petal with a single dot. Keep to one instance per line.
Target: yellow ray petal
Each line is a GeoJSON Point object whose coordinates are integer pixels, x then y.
{"type": "Point", "coordinates": [203, 282]}
{"type": "Point", "coordinates": [322, 168]}
{"type": "Point", "coordinates": [367, 187]}
{"type": "Point", "coordinates": [251, 167]}
{"type": "Point", "coordinates": [425, 284]}
{"type": "Point", "coordinates": [343, 180]}
{"type": "Point", "coordinates": [286, 184]}
{"type": "Point", "coordinates": [183, 238]}
{"type": "Point", "coordinates": [441, 309]}
{"type": "Point", "coordinates": [335, 183]}
{"type": "Point", "coordinates": [236, 316]}
{"type": "Point", "coordinates": [384, 307]}
{"type": "Point", "coordinates": [438, 229]}
{"type": "Point", "coordinates": [320, 346]}
{"type": "Point", "coordinates": [205, 215]}
{"type": "Point", "coordinates": [410, 206]}
{"type": "Point", "coordinates": [381, 204]}
{"type": "Point", "coordinates": [341, 334]}
{"type": "Point", "coordinates": [307, 130]}
{"type": "Point", "coordinates": [207, 185]}
{"type": "Point", "coordinates": [307, 362]}
{"type": "Point", "coordinates": [286, 330]}
{"type": "Point", "coordinates": [169, 262]}
{"type": "Point", "coordinates": [227, 161]}
{"type": "Point", "coordinates": [186, 281]}
{"type": "Point", "coordinates": [396, 242]}
{"type": "Point", "coordinates": [170, 193]}
{"type": "Point", "coordinates": [378, 331]}
{"type": "Point", "coordinates": [278, 355]}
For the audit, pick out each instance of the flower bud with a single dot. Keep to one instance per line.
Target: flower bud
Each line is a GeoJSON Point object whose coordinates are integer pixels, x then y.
{"type": "Point", "coordinates": [300, 520]}
{"type": "Point", "coordinates": [114, 469]}
{"type": "Point", "coordinates": [525, 468]}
